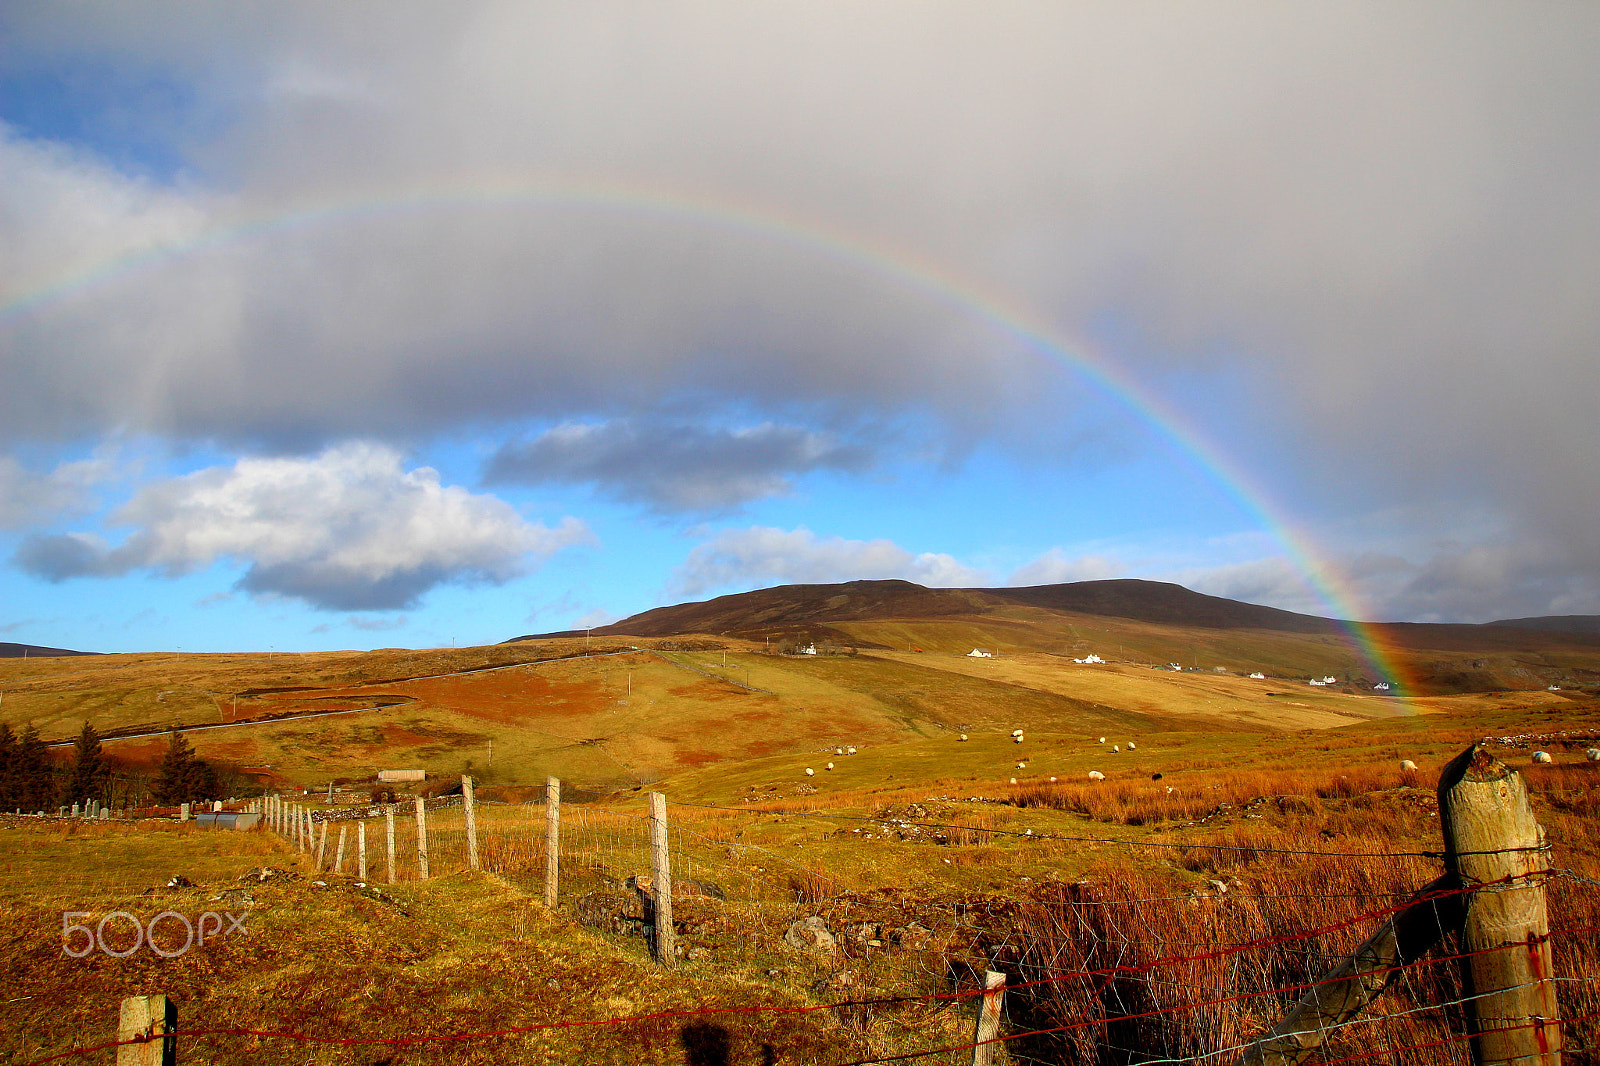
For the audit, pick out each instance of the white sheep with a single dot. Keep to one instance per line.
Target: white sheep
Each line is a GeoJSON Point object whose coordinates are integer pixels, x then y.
{"type": "Point", "coordinates": [810, 772]}
{"type": "Point", "coordinates": [849, 751]}
{"type": "Point", "coordinates": [1052, 780]}
{"type": "Point", "coordinates": [1131, 745]}
{"type": "Point", "coordinates": [1096, 775]}
{"type": "Point", "coordinates": [1022, 766]}
{"type": "Point", "coordinates": [830, 766]}
{"type": "Point", "coordinates": [1013, 780]}
{"type": "Point", "coordinates": [1407, 765]}
{"type": "Point", "coordinates": [1018, 739]}
{"type": "Point", "coordinates": [1593, 754]}
{"type": "Point", "coordinates": [963, 736]}
{"type": "Point", "coordinates": [1116, 747]}
{"type": "Point", "coordinates": [1542, 757]}
{"type": "Point", "coordinates": [1102, 740]}
{"type": "Point", "coordinates": [838, 751]}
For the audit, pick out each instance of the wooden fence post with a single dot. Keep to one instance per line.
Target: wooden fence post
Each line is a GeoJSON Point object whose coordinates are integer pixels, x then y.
{"type": "Point", "coordinates": [388, 825]}
{"type": "Point", "coordinates": [322, 844]}
{"type": "Point", "coordinates": [661, 882]}
{"type": "Point", "coordinates": [338, 856]}
{"type": "Point", "coordinates": [552, 840]}
{"type": "Point", "coordinates": [153, 1021]}
{"type": "Point", "coordinates": [989, 1010]}
{"type": "Point", "coordinates": [1357, 980]}
{"type": "Point", "coordinates": [361, 849]}
{"type": "Point", "coordinates": [422, 838]}
{"type": "Point", "coordinates": [1492, 839]}
{"type": "Point", "coordinates": [470, 816]}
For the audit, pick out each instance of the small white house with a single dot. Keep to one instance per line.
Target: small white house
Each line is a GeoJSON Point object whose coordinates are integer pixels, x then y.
{"type": "Point", "coordinates": [979, 653]}
{"type": "Point", "coordinates": [1258, 676]}
{"type": "Point", "coordinates": [809, 649]}
{"type": "Point", "coordinates": [1330, 680]}
{"type": "Point", "coordinates": [1381, 686]}
{"type": "Point", "coordinates": [1090, 658]}
{"type": "Point", "coordinates": [1315, 682]}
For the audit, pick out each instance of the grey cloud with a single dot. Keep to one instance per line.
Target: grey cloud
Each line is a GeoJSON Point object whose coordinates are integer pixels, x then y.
{"type": "Point", "coordinates": [676, 468]}
{"type": "Point", "coordinates": [1376, 220]}
{"type": "Point", "coordinates": [347, 530]}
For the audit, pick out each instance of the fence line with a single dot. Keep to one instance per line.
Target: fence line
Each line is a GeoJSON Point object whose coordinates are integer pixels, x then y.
{"type": "Point", "coordinates": [1121, 970]}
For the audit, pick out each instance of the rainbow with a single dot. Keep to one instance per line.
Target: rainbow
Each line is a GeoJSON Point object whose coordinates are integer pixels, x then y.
{"type": "Point", "coordinates": [896, 266]}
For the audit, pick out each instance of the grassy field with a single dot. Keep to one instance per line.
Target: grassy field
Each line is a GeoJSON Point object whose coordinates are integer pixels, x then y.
{"type": "Point", "coordinates": [945, 853]}
{"type": "Point", "coordinates": [923, 834]}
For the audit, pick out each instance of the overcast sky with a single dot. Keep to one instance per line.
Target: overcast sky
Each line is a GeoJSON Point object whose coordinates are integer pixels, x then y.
{"type": "Point", "coordinates": [390, 324]}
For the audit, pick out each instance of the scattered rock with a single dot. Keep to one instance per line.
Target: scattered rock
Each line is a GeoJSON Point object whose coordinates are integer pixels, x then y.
{"type": "Point", "coordinates": [810, 934]}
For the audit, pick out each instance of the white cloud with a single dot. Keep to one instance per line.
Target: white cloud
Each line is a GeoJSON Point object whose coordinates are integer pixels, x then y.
{"type": "Point", "coordinates": [348, 529]}
{"type": "Point", "coordinates": [1056, 567]}
{"type": "Point", "coordinates": [29, 499]}
{"type": "Point", "coordinates": [761, 555]}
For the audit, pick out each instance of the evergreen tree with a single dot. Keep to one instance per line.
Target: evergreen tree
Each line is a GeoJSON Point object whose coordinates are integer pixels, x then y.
{"type": "Point", "coordinates": [91, 774]}
{"type": "Point", "coordinates": [181, 777]}
{"type": "Point", "coordinates": [8, 769]}
{"type": "Point", "coordinates": [33, 779]}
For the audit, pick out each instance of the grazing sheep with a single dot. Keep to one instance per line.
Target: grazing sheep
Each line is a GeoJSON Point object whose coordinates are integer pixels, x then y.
{"type": "Point", "coordinates": [1052, 780]}
{"type": "Point", "coordinates": [963, 736]}
{"type": "Point", "coordinates": [1131, 745]}
{"type": "Point", "coordinates": [1116, 747]}
{"type": "Point", "coordinates": [810, 772]}
{"type": "Point", "coordinates": [830, 766]}
{"type": "Point", "coordinates": [1022, 766]}
{"type": "Point", "coordinates": [1016, 732]}
{"type": "Point", "coordinates": [1013, 780]}
{"type": "Point", "coordinates": [1593, 754]}
{"type": "Point", "coordinates": [1096, 775]}
{"type": "Point", "coordinates": [1102, 740]}
{"type": "Point", "coordinates": [849, 751]}
{"type": "Point", "coordinates": [1018, 739]}
{"type": "Point", "coordinates": [1407, 765]}
{"type": "Point", "coordinates": [1542, 756]}
{"type": "Point", "coordinates": [838, 751]}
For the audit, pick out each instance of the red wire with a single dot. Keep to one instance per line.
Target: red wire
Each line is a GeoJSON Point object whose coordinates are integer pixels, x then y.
{"type": "Point", "coordinates": [935, 997]}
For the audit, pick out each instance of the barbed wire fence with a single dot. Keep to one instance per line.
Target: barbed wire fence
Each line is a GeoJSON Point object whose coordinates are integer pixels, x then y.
{"type": "Point", "coordinates": [1091, 976]}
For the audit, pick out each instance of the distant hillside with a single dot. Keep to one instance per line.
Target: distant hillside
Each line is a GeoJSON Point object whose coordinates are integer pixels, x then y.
{"type": "Point", "coordinates": [1557, 623]}
{"type": "Point", "coordinates": [33, 651]}
{"type": "Point", "coordinates": [788, 608]}
{"type": "Point", "coordinates": [1164, 604]}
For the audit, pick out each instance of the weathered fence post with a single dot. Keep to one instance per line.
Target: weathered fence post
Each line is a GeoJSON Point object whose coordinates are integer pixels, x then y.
{"type": "Point", "coordinates": [1357, 980]}
{"type": "Point", "coordinates": [153, 1022]}
{"type": "Point", "coordinates": [338, 856]}
{"type": "Point", "coordinates": [470, 816]}
{"type": "Point", "coordinates": [661, 882]}
{"type": "Point", "coordinates": [989, 1011]}
{"type": "Point", "coordinates": [1492, 839]}
{"type": "Point", "coordinates": [361, 849]}
{"type": "Point", "coordinates": [322, 844]}
{"type": "Point", "coordinates": [552, 840]}
{"type": "Point", "coordinates": [422, 838]}
{"type": "Point", "coordinates": [388, 825]}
